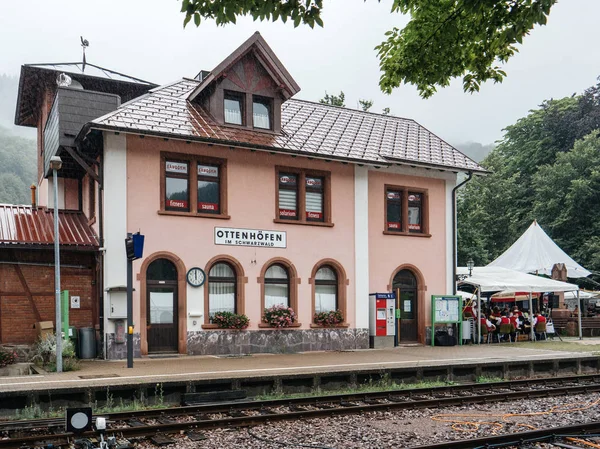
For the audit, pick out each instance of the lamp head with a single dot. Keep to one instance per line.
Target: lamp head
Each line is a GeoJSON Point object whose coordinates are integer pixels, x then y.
{"type": "Point", "coordinates": [470, 264]}
{"type": "Point", "coordinates": [55, 163]}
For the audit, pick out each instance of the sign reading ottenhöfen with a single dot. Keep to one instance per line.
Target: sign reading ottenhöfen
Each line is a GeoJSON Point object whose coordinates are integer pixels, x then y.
{"type": "Point", "coordinates": [250, 237]}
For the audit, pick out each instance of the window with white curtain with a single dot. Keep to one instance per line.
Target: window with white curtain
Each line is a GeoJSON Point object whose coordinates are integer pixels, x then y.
{"type": "Point", "coordinates": [277, 286]}
{"type": "Point", "coordinates": [326, 290]}
{"type": "Point", "coordinates": [261, 112]}
{"type": "Point", "coordinates": [221, 289]}
{"type": "Point", "coordinates": [234, 108]}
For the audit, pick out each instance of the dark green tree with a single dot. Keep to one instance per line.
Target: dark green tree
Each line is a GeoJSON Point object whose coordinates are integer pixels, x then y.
{"type": "Point", "coordinates": [444, 39]}
{"type": "Point", "coordinates": [365, 105]}
{"type": "Point", "coordinates": [334, 100]}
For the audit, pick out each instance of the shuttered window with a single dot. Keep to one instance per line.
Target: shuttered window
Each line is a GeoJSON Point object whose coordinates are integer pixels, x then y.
{"type": "Point", "coordinates": [288, 196]}
{"type": "Point", "coordinates": [222, 289]}
{"type": "Point", "coordinates": [303, 196]}
{"type": "Point", "coordinates": [314, 199]}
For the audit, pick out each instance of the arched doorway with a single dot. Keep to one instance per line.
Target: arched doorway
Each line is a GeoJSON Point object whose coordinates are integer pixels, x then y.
{"type": "Point", "coordinates": [406, 288]}
{"type": "Point", "coordinates": [161, 306]}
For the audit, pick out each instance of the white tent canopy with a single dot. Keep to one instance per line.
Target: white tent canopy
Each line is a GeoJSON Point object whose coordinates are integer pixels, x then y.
{"type": "Point", "coordinates": [534, 251]}
{"type": "Point", "coordinates": [494, 279]}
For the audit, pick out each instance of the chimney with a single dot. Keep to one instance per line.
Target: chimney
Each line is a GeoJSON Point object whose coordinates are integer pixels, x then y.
{"type": "Point", "coordinates": [33, 203]}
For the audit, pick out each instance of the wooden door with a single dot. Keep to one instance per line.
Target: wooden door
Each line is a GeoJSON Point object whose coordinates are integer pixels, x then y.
{"type": "Point", "coordinates": [405, 286]}
{"type": "Point", "coordinates": [161, 318]}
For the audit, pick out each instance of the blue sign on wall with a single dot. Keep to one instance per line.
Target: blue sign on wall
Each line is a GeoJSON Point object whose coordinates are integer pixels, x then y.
{"type": "Point", "coordinates": [384, 295]}
{"type": "Point", "coordinates": [138, 245]}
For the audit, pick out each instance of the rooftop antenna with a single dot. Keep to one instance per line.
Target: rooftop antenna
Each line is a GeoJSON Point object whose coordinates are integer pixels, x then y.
{"type": "Point", "coordinates": [84, 44]}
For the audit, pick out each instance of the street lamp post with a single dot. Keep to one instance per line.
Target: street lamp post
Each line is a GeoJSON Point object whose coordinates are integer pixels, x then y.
{"type": "Point", "coordinates": [55, 165]}
{"type": "Point", "coordinates": [470, 265]}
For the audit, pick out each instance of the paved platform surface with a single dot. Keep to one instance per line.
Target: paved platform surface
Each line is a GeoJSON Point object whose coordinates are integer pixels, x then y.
{"type": "Point", "coordinates": [184, 368]}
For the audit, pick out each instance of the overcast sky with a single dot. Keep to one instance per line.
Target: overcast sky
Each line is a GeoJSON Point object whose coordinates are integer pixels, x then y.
{"type": "Point", "coordinates": [146, 39]}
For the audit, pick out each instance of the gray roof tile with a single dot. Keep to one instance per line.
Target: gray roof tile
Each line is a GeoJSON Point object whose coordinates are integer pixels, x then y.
{"type": "Point", "coordinates": [307, 128]}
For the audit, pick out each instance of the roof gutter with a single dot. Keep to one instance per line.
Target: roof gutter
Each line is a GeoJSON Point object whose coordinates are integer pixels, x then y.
{"type": "Point", "coordinates": [454, 244]}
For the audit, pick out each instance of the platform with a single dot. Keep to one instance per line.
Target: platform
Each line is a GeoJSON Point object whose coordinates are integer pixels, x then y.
{"type": "Point", "coordinates": [181, 369]}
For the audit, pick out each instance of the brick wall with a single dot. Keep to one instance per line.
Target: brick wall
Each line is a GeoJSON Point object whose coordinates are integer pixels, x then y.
{"type": "Point", "coordinates": [17, 316]}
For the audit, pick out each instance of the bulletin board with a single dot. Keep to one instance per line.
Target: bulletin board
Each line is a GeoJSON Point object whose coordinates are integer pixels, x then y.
{"type": "Point", "coordinates": [446, 310]}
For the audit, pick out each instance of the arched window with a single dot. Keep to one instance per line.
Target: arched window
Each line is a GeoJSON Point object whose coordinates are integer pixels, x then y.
{"type": "Point", "coordinates": [222, 289]}
{"type": "Point", "coordinates": [326, 289]}
{"type": "Point", "coordinates": [161, 270]}
{"type": "Point", "coordinates": [277, 286]}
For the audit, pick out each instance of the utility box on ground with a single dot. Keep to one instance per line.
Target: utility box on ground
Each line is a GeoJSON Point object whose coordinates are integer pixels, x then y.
{"type": "Point", "coordinates": [382, 320]}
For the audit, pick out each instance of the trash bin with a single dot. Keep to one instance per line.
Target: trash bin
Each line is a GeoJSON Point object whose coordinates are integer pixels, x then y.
{"type": "Point", "coordinates": [74, 339]}
{"type": "Point", "coordinates": [87, 343]}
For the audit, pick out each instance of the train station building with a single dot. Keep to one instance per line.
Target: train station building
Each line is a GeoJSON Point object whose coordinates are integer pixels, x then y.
{"type": "Point", "coordinates": [248, 198]}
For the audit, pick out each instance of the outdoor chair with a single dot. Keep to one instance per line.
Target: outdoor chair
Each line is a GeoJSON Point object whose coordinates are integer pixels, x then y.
{"type": "Point", "coordinates": [540, 329]}
{"type": "Point", "coordinates": [487, 335]}
{"type": "Point", "coordinates": [506, 330]}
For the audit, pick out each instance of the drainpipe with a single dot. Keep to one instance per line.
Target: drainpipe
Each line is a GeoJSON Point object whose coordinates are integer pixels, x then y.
{"type": "Point", "coordinates": [454, 244]}
{"type": "Point", "coordinates": [101, 255]}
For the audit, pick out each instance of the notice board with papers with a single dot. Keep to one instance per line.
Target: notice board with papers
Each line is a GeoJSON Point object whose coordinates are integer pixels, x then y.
{"type": "Point", "coordinates": [445, 309]}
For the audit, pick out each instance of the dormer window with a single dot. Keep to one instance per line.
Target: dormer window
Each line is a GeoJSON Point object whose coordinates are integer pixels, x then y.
{"type": "Point", "coordinates": [234, 108]}
{"type": "Point", "coordinates": [261, 112]}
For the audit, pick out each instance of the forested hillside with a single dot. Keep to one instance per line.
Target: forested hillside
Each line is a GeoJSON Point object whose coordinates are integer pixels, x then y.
{"type": "Point", "coordinates": [17, 148]}
{"type": "Point", "coordinates": [547, 167]}
{"type": "Point", "coordinates": [17, 168]}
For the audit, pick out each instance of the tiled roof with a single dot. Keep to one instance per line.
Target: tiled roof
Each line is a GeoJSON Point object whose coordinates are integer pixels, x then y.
{"type": "Point", "coordinates": [24, 225]}
{"type": "Point", "coordinates": [308, 128]}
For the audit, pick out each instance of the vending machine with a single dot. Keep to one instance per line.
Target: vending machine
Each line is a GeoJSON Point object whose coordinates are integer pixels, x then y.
{"type": "Point", "coordinates": [382, 322]}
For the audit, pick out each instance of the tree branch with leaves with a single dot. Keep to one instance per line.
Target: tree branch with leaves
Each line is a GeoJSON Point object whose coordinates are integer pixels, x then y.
{"type": "Point", "coordinates": [444, 39]}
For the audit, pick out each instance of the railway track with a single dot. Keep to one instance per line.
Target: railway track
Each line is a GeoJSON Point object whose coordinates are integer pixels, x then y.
{"type": "Point", "coordinates": [160, 423]}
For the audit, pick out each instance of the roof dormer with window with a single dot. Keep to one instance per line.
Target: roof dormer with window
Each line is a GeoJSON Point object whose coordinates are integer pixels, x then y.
{"type": "Point", "coordinates": [247, 89]}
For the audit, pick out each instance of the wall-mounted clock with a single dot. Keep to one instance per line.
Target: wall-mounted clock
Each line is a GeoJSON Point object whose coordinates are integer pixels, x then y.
{"type": "Point", "coordinates": [196, 277]}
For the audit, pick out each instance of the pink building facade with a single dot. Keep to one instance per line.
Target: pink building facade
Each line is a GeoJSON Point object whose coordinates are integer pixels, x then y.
{"type": "Point", "coordinates": [248, 198]}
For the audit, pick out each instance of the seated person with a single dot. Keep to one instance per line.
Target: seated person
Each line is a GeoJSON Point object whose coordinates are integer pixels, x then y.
{"type": "Point", "coordinates": [506, 327]}
{"type": "Point", "coordinates": [514, 320]}
{"type": "Point", "coordinates": [469, 311]}
{"type": "Point", "coordinates": [539, 325]}
{"type": "Point", "coordinates": [487, 325]}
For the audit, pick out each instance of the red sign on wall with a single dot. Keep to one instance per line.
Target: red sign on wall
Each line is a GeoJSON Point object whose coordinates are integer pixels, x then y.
{"type": "Point", "coordinates": [314, 215]}
{"type": "Point", "coordinates": [414, 227]}
{"type": "Point", "coordinates": [213, 207]}
{"type": "Point", "coordinates": [287, 213]}
{"type": "Point", "coordinates": [177, 203]}
{"type": "Point", "coordinates": [393, 225]}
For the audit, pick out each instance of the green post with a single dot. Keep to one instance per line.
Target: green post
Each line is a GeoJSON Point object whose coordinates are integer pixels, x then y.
{"type": "Point", "coordinates": [64, 302]}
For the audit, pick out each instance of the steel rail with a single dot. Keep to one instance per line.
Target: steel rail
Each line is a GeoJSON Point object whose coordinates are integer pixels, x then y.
{"type": "Point", "coordinates": [398, 399]}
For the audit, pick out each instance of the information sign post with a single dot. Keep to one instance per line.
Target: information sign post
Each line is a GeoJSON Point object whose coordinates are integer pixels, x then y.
{"type": "Point", "coordinates": [446, 309]}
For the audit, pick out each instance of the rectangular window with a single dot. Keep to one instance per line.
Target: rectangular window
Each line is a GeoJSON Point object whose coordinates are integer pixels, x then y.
{"type": "Point", "coordinates": [91, 198]}
{"type": "Point", "coordinates": [394, 211]}
{"type": "Point", "coordinates": [177, 186]}
{"type": "Point", "coordinates": [406, 211]}
{"type": "Point", "coordinates": [261, 112]}
{"type": "Point", "coordinates": [209, 193]}
{"type": "Point", "coordinates": [303, 196]}
{"type": "Point", "coordinates": [414, 212]}
{"type": "Point", "coordinates": [288, 196]}
{"type": "Point", "coordinates": [234, 108]}
{"type": "Point", "coordinates": [314, 199]}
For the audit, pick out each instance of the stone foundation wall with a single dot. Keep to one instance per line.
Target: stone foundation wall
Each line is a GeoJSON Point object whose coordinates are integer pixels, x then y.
{"type": "Point", "coordinates": [232, 342]}
{"type": "Point", "coordinates": [118, 351]}
{"type": "Point", "coordinates": [24, 352]}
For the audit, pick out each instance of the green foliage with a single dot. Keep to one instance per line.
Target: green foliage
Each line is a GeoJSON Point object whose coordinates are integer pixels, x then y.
{"type": "Point", "coordinates": [365, 105]}
{"type": "Point", "coordinates": [18, 168]}
{"type": "Point", "coordinates": [44, 354]}
{"type": "Point", "coordinates": [545, 168]}
{"type": "Point", "coordinates": [444, 39]}
{"type": "Point", "coordinates": [279, 316]}
{"type": "Point", "coordinates": [226, 11]}
{"type": "Point", "coordinates": [385, 111]}
{"type": "Point", "coordinates": [334, 100]}
{"type": "Point", "coordinates": [229, 320]}
{"type": "Point", "coordinates": [7, 358]}
{"type": "Point", "coordinates": [330, 318]}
